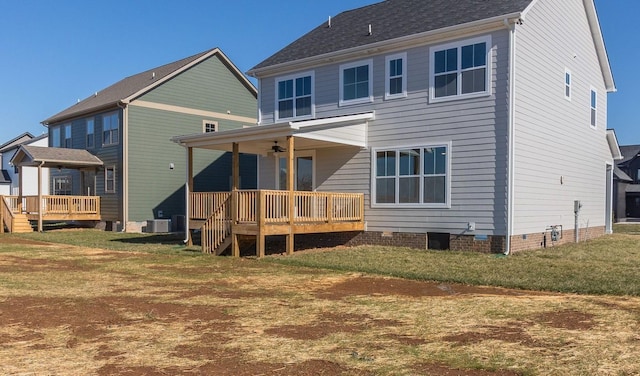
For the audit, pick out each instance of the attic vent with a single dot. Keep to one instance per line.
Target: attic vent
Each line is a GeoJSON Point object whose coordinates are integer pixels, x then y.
{"type": "Point", "coordinates": [153, 75]}
{"type": "Point", "coordinates": [370, 32]}
{"type": "Point", "coordinates": [95, 94]}
{"type": "Point", "coordinates": [329, 23]}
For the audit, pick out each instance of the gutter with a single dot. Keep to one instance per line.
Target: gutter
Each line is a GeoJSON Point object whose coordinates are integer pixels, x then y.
{"type": "Point", "coordinates": [125, 164]}
{"type": "Point", "coordinates": [511, 132]}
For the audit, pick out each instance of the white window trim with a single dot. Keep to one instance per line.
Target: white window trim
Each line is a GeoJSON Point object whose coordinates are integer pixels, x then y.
{"type": "Point", "coordinates": [354, 64]}
{"type": "Point", "coordinates": [55, 139]}
{"type": "Point", "coordinates": [54, 181]}
{"type": "Point", "coordinates": [65, 127]}
{"type": "Point", "coordinates": [111, 143]}
{"type": "Point", "coordinates": [306, 153]}
{"type": "Point", "coordinates": [204, 125]}
{"type": "Point", "coordinates": [568, 72]}
{"type": "Point", "coordinates": [86, 131]}
{"type": "Point", "coordinates": [374, 173]}
{"type": "Point", "coordinates": [114, 179]}
{"type": "Point", "coordinates": [313, 96]}
{"type": "Point", "coordinates": [459, 45]}
{"type": "Point", "coordinates": [387, 76]}
{"type": "Point", "coordinates": [593, 90]}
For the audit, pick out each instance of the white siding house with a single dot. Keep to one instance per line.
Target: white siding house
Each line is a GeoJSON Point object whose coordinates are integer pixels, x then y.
{"type": "Point", "coordinates": [30, 174]}
{"type": "Point", "coordinates": [482, 124]}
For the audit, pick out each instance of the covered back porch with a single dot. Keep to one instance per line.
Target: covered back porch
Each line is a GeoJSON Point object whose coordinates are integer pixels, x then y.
{"type": "Point", "coordinates": [16, 211]}
{"type": "Point", "coordinates": [222, 217]}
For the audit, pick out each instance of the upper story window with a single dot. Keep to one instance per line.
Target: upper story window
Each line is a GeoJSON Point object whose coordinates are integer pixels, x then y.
{"type": "Point", "coordinates": [67, 136]}
{"type": "Point", "coordinates": [356, 82]}
{"type": "Point", "coordinates": [209, 126]}
{"type": "Point", "coordinates": [55, 137]}
{"type": "Point", "coordinates": [91, 138]}
{"type": "Point", "coordinates": [567, 84]}
{"type": "Point", "coordinates": [295, 96]}
{"type": "Point", "coordinates": [110, 129]}
{"type": "Point", "coordinates": [396, 76]}
{"type": "Point", "coordinates": [460, 70]}
{"type": "Point", "coordinates": [594, 108]}
{"type": "Point", "coordinates": [110, 179]}
{"type": "Point", "coordinates": [412, 176]}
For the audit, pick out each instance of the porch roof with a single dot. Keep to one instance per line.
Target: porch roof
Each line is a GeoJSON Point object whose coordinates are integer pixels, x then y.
{"type": "Point", "coordinates": [54, 157]}
{"type": "Point", "coordinates": [309, 134]}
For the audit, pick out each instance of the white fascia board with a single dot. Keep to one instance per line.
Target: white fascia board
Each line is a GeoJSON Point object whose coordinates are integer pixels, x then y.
{"type": "Point", "coordinates": [612, 140]}
{"type": "Point", "coordinates": [469, 28]}
{"type": "Point", "coordinates": [601, 49]}
{"type": "Point", "coordinates": [234, 135]}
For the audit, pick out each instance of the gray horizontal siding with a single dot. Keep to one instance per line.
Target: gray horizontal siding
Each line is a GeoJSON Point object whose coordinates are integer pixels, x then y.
{"type": "Point", "coordinates": [559, 158]}
{"type": "Point", "coordinates": [475, 127]}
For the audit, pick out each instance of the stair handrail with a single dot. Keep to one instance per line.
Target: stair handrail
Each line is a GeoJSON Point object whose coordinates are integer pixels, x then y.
{"type": "Point", "coordinates": [217, 227]}
{"type": "Point", "coordinates": [6, 215]}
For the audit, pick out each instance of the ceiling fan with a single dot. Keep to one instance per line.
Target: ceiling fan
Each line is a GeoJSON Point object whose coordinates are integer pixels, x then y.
{"type": "Point", "coordinates": [277, 148]}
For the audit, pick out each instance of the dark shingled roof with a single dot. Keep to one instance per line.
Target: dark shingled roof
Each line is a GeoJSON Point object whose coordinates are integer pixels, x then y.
{"type": "Point", "coordinates": [629, 152]}
{"type": "Point", "coordinates": [120, 90]}
{"type": "Point", "coordinates": [4, 178]}
{"type": "Point", "coordinates": [390, 19]}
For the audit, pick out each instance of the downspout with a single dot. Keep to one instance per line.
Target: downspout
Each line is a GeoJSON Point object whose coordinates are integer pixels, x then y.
{"type": "Point", "coordinates": [186, 197]}
{"type": "Point", "coordinates": [125, 165]}
{"type": "Point", "coordinates": [511, 132]}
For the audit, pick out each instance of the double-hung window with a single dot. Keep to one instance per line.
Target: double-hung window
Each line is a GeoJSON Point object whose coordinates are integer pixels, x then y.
{"type": "Point", "coordinates": [110, 179]}
{"type": "Point", "coordinates": [594, 108]}
{"type": "Point", "coordinates": [294, 96]}
{"type": "Point", "coordinates": [356, 82]}
{"type": "Point", "coordinates": [67, 136]}
{"type": "Point", "coordinates": [461, 69]}
{"type": "Point", "coordinates": [110, 129]}
{"type": "Point", "coordinates": [91, 136]}
{"type": "Point", "coordinates": [62, 185]}
{"type": "Point", "coordinates": [396, 76]}
{"type": "Point", "coordinates": [412, 176]}
{"type": "Point", "coordinates": [55, 137]}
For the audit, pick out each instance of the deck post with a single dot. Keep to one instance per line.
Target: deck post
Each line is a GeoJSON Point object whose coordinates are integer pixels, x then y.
{"type": "Point", "coordinates": [290, 188]}
{"type": "Point", "coordinates": [260, 216]}
{"type": "Point", "coordinates": [39, 197]}
{"type": "Point", "coordinates": [20, 174]}
{"type": "Point", "coordinates": [189, 190]}
{"type": "Point", "coordinates": [235, 180]}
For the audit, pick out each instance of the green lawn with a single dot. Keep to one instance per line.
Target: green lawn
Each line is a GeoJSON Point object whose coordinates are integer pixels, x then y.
{"type": "Point", "coordinates": [609, 265]}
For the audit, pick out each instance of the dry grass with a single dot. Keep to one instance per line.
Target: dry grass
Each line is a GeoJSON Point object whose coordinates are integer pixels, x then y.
{"type": "Point", "coordinates": [71, 310]}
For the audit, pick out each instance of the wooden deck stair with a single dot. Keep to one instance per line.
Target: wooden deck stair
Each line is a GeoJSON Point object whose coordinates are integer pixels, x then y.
{"type": "Point", "coordinates": [21, 224]}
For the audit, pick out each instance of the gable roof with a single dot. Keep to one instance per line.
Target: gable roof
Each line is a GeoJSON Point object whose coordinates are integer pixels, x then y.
{"type": "Point", "coordinates": [28, 141]}
{"type": "Point", "coordinates": [15, 141]}
{"type": "Point", "coordinates": [389, 20]}
{"type": "Point", "coordinates": [29, 155]}
{"type": "Point", "coordinates": [629, 152]}
{"type": "Point", "coordinates": [122, 92]}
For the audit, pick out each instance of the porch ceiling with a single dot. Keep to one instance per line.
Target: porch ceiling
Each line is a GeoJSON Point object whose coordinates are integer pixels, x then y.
{"type": "Point", "coordinates": [309, 134]}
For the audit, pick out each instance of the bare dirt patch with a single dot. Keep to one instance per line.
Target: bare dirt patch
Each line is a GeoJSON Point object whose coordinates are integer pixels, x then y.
{"type": "Point", "coordinates": [513, 333]}
{"type": "Point", "coordinates": [568, 319]}
{"type": "Point", "coordinates": [19, 241]}
{"type": "Point", "coordinates": [443, 370]}
{"type": "Point", "coordinates": [371, 286]}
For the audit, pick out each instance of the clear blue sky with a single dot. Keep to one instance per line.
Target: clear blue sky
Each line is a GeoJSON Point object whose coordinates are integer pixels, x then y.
{"type": "Point", "coordinates": [55, 52]}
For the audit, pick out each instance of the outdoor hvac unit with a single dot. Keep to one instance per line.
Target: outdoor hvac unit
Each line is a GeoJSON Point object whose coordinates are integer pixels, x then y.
{"type": "Point", "coordinates": [158, 225]}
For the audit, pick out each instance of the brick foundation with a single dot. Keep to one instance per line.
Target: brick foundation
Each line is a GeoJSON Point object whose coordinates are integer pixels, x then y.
{"type": "Point", "coordinates": [489, 244]}
{"type": "Point", "coordinates": [543, 239]}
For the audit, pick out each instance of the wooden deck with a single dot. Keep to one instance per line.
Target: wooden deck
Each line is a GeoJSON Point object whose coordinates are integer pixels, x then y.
{"type": "Point", "coordinates": [54, 208]}
{"type": "Point", "coordinates": [262, 213]}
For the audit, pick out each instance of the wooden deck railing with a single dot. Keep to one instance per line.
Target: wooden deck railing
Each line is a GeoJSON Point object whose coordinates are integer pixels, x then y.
{"type": "Point", "coordinates": [6, 214]}
{"type": "Point", "coordinates": [68, 205]}
{"type": "Point", "coordinates": [273, 206]}
{"type": "Point", "coordinates": [217, 227]}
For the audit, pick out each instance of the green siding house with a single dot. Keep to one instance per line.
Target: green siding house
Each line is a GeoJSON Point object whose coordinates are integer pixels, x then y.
{"type": "Point", "coordinates": [129, 126]}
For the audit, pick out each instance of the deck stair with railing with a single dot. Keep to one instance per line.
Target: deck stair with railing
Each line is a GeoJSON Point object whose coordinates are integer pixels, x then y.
{"type": "Point", "coordinates": [16, 212]}
{"type": "Point", "coordinates": [221, 216]}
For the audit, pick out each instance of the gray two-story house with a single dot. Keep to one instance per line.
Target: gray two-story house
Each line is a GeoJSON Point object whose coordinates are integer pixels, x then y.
{"type": "Point", "coordinates": [465, 124]}
{"type": "Point", "coordinates": [129, 124]}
